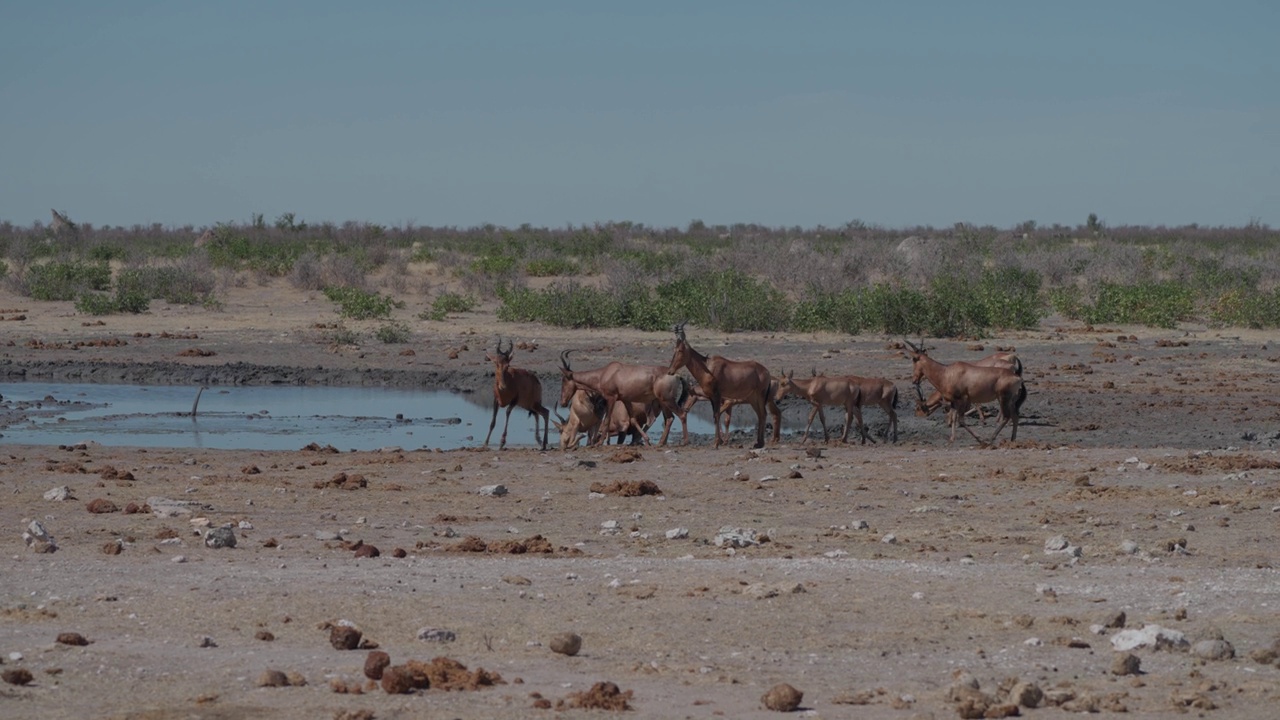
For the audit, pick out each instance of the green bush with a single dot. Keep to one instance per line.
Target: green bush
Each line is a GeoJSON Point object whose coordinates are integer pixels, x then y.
{"type": "Point", "coordinates": [1155, 304]}
{"type": "Point", "coordinates": [93, 303]}
{"type": "Point", "coordinates": [494, 265]}
{"type": "Point", "coordinates": [66, 280]}
{"type": "Point", "coordinates": [174, 285]}
{"type": "Point", "coordinates": [360, 304]}
{"type": "Point", "coordinates": [562, 305]}
{"type": "Point", "coordinates": [1246, 308]}
{"type": "Point", "coordinates": [550, 267]}
{"type": "Point", "coordinates": [448, 302]}
{"type": "Point", "coordinates": [395, 332]}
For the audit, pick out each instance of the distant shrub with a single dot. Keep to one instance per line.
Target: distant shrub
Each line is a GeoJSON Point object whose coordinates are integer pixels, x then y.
{"type": "Point", "coordinates": [360, 304]}
{"type": "Point", "coordinates": [550, 267]}
{"type": "Point", "coordinates": [66, 280]}
{"type": "Point", "coordinates": [391, 333]}
{"type": "Point", "coordinates": [565, 304]}
{"type": "Point", "coordinates": [107, 253]}
{"type": "Point", "coordinates": [1155, 304]}
{"type": "Point", "coordinates": [176, 285]}
{"type": "Point", "coordinates": [1245, 308]}
{"type": "Point", "coordinates": [93, 303]}
{"type": "Point", "coordinates": [448, 302]}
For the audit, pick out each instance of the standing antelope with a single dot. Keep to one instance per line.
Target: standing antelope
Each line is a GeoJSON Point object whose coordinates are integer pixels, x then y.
{"type": "Point", "coordinates": [883, 394]}
{"type": "Point", "coordinates": [512, 388]}
{"type": "Point", "coordinates": [727, 405]}
{"type": "Point", "coordinates": [821, 390]}
{"type": "Point", "coordinates": [963, 384]}
{"type": "Point", "coordinates": [720, 379]}
{"type": "Point", "coordinates": [620, 382]}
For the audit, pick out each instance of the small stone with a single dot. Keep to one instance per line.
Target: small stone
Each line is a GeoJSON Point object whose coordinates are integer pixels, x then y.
{"type": "Point", "coordinates": [399, 679]}
{"type": "Point", "coordinates": [72, 638]}
{"type": "Point", "coordinates": [344, 637]}
{"type": "Point", "coordinates": [493, 490]}
{"type": "Point", "coordinates": [112, 548]}
{"type": "Point", "coordinates": [399, 553]}
{"type": "Point", "coordinates": [58, 494]}
{"type": "Point", "coordinates": [273, 678]}
{"type": "Point", "coordinates": [1126, 664]}
{"type": "Point", "coordinates": [375, 663]}
{"type": "Point", "coordinates": [367, 551]}
{"type": "Point", "coordinates": [677, 533]}
{"type": "Point", "coordinates": [1113, 620]}
{"type": "Point", "coordinates": [264, 635]}
{"type": "Point", "coordinates": [296, 678]}
{"type": "Point", "coordinates": [782, 698]}
{"type": "Point", "coordinates": [566, 643]}
{"type": "Point", "coordinates": [101, 505]}
{"type": "Point", "coordinates": [1026, 694]}
{"type": "Point", "coordinates": [220, 537]}
{"type": "Point", "coordinates": [1213, 650]}
{"type": "Point", "coordinates": [204, 641]}
{"type": "Point", "coordinates": [440, 635]}
{"type": "Point", "coordinates": [17, 676]}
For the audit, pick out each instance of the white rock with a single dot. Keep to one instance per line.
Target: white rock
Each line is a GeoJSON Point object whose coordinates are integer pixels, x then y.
{"type": "Point", "coordinates": [677, 533]}
{"type": "Point", "coordinates": [1149, 636]}
{"type": "Point", "coordinates": [58, 494]}
{"type": "Point", "coordinates": [889, 539]}
{"type": "Point", "coordinates": [493, 490]}
{"type": "Point", "coordinates": [1129, 547]}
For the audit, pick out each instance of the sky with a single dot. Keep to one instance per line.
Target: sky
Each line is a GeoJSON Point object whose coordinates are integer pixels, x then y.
{"type": "Point", "coordinates": [558, 113]}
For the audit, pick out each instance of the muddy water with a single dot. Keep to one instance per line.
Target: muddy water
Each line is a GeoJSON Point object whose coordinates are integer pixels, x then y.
{"type": "Point", "coordinates": [257, 418]}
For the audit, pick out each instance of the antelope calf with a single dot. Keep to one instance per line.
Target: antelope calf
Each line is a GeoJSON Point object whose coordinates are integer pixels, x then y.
{"type": "Point", "coordinates": [821, 390]}
{"type": "Point", "coordinates": [512, 388]}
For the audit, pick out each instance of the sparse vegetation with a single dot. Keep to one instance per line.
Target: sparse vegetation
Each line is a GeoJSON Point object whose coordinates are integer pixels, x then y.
{"type": "Point", "coordinates": [962, 280]}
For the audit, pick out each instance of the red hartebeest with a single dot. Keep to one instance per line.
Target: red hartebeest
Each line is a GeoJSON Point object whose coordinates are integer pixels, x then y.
{"type": "Point", "coordinates": [620, 382]}
{"type": "Point", "coordinates": [821, 390]}
{"type": "Point", "coordinates": [586, 415]}
{"type": "Point", "coordinates": [720, 379]}
{"type": "Point", "coordinates": [512, 388]}
{"type": "Point", "coordinates": [883, 394]}
{"type": "Point", "coordinates": [963, 384]}
{"type": "Point", "coordinates": [1004, 359]}
{"type": "Point", "coordinates": [727, 405]}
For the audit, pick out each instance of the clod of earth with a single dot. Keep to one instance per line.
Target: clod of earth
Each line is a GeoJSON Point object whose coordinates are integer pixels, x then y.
{"type": "Point", "coordinates": [375, 663]}
{"type": "Point", "coordinates": [782, 698]}
{"type": "Point", "coordinates": [566, 643]}
{"type": "Point", "coordinates": [344, 637]}
{"type": "Point", "coordinates": [628, 488]}
{"type": "Point", "coordinates": [602, 696]}
{"type": "Point", "coordinates": [72, 638]}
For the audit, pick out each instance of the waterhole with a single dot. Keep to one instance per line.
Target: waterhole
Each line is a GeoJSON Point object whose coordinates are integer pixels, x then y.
{"type": "Point", "coordinates": [263, 418]}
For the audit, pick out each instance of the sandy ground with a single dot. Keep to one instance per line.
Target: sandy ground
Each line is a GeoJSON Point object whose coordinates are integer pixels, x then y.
{"type": "Point", "coordinates": [874, 579]}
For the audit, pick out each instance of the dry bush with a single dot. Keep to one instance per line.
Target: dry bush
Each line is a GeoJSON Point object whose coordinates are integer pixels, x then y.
{"type": "Point", "coordinates": [344, 271]}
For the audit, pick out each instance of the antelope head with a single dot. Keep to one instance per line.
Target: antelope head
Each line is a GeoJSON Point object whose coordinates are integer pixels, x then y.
{"type": "Point", "coordinates": [567, 386]}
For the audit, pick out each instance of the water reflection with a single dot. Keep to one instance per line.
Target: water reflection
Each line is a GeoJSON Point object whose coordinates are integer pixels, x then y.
{"type": "Point", "coordinates": [259, 418]}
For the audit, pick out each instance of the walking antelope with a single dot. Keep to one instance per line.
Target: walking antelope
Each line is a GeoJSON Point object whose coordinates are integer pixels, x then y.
{"type": "Point", "coordinates": [1008, 360]}
{"type": "Point", "coordinates": [883, 394]}
{"type": "Point", "coordinates": [512, 388]}
{"type": "Point", "coordinates": [821, 390]}
{"type": "Point", "coordinates": [620, 382]}
{"type": "Point", "coordinates": [720, 379]}
{"type": "Point", "coordinates": [963, 384]}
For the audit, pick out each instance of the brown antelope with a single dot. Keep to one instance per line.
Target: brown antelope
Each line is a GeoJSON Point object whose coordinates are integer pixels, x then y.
{"type": "Point", "coordinates": [585, 412]}
{"type": "Point", "coordinates": [1008, 360]}
{"type": "Point", "coordinates": [963, 384]}
{"type": "Point", "coordinates": [821, 390]}
{"type": "Point", "coordinates": [883, 394]}
{"type": "Point", "coordinates": [746, 381]}
{"type": "Point", "coordinates": [727, 405]}
{"type": "Point", "coordinates": [512, 388]}
{"type": "Point", "coordinates": [620, 382]}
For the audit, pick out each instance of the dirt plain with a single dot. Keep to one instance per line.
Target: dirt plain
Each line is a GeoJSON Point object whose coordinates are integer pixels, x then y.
{"type": "Point", "coordinates": [880, 576]}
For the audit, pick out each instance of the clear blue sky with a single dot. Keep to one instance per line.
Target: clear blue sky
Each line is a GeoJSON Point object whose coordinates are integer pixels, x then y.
{"type": "Point", "coordinates": [553, 113]}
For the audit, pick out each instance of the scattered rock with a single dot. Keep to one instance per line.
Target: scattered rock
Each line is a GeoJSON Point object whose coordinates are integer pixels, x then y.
{"type": "Point", "coordinates": [39, 539]}
{"type": "Point", "coordinates": [1026, 694]}
{"type": "Point", "coordinates": [1152, 636]}
{"type": "Point", "coordinates": [113, 548]}
{"type": "Point", "coordinates": [399, 553]}
{"type": "Point", "coordinates": [566, 643]}
{"type": "Point", "coordinates": [17, 676]}
{"type": "Point", "coordinates": [220, 537]}
{"type": "Point", "coordinates": [628, 488]}
{"type": "Point", "coordinates": [1126, 664]}
{"type": "Point", "coordinates": [439, 635]}
{"type": "Point", "coordinates": [367, 551]}
{"type": "Point", "coordinates": [59, 494]}
{"type": "Point", "coordinates": [273, 678]}
{"type": "Point", "coordinates": [1113, 620]}
{"type": "Point", "coordinates": [493, 490]}
{"type": "Point", "coordinates": [601, 696]}
{"type": "Point", "coordinates": [782, 698]}
{"type": "Point", "coordinates": [101, 505]}
{"type": "Point", "coordinates": [204, 641]}
{"type": "Point", "coordinates": [344, 637]}
{"type": "Point", "coordinates": [677, 533]}
{"type": "Point", "coordinates": [375, 663]}
{"type": "Point", "coordinates": [72, 638]}
{"type": "Point", "coordinates": [737, 537]}
{"type": "Point", "coordinates": [400, 679]}
{"type": "Point", "coordinates": [1213, 650]}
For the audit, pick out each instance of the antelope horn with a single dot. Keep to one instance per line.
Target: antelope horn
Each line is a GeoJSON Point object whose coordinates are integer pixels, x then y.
{"type": "Point", "coordinates": [679, 328]}
{"type": "Point", "coordinates": [919, 393]}
{"type": "Point", "coordinates": [913, 346]}
{"type": "Point", "coordinates": [509, 349]}
{"type": "Point", "coordinates": [564, 359]}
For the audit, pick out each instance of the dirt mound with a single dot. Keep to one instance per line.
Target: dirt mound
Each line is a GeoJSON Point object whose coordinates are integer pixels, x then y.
{"type": "Point", "coordinates": [628, 488]}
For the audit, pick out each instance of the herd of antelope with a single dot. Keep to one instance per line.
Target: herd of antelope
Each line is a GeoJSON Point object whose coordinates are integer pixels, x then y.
{"type": "Point", "coordinates": [622, 400]}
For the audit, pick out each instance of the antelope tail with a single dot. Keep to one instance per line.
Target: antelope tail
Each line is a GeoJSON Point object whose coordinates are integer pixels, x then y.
{"type": "Point", "coordinates": [684, 391]}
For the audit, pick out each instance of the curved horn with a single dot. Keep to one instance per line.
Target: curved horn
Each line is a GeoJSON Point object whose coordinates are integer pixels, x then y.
{"type": "Point", "coordinates": [679, 328]}
{"type": "Point", "coordinates": [913, 346]}
{"type": "Point", "coordinates": [509, 349]}
{"type": "Point", "coordinates": [564, 359]}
